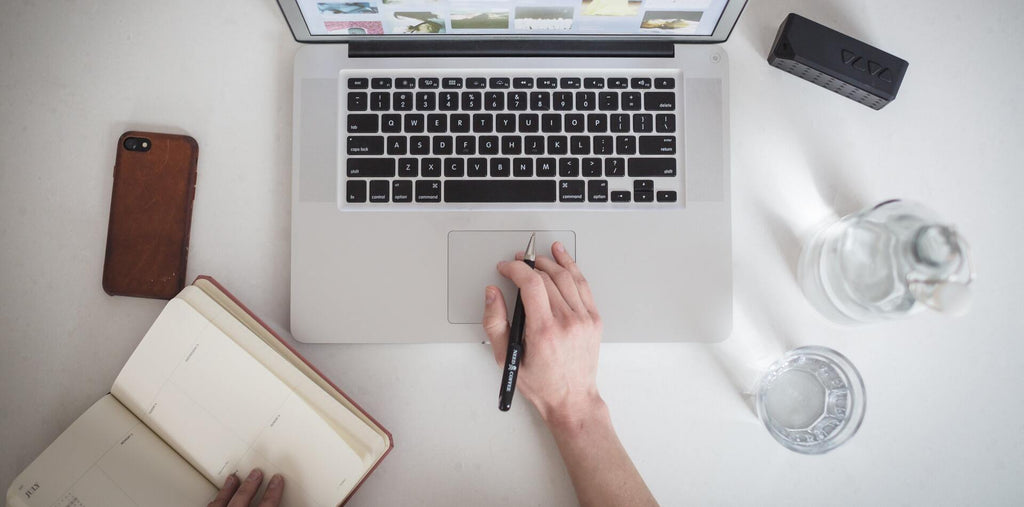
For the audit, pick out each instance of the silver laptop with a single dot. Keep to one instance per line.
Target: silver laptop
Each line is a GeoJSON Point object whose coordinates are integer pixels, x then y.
{"type": "Point", "coordinates": [431, 137]}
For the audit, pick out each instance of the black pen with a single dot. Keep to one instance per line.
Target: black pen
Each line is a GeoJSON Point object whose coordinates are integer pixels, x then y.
{"type": "Point", "coordinates": [516, 347]}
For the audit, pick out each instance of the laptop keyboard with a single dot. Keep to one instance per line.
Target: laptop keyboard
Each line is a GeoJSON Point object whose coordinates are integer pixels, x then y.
{"type": "Point", "coordinates": [448, 140]}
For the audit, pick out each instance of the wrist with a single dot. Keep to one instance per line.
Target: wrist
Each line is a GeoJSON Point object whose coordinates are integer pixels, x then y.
{"type": "Point", "coordinates": [572, 415]}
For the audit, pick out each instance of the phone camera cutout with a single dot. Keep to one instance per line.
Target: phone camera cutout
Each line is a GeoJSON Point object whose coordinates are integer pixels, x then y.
{"type": "Point", "coordinates": [137, 144]}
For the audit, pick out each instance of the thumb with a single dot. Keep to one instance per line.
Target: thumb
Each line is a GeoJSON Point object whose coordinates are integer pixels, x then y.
{"type": "Point", "coordinates": [496, 322]}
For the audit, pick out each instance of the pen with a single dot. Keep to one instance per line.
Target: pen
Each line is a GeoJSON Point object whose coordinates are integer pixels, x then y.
{"type": "Point", "coordinates": [516, 347]}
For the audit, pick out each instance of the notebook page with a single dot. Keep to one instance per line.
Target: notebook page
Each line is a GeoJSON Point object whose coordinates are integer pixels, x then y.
{"type": "Point", "coordinates": [108, 458]}
{"type": "Point", "coordinates": [224, 411]}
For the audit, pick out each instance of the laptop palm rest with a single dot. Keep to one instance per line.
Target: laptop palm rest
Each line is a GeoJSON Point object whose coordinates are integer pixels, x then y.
{"type": "Point", "coordinates": [472, 260]}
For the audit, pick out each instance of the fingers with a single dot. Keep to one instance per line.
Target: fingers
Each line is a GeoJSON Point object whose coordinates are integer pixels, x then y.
{"type": "Point", "coordinates": [564, 281]}
{"type": "Point", "coordinates": [496, 322]}
{"type": "Point", "coordinates": [567, 262]}
{"type": "Point", "coordinates": [531, 288]}
{"type": "Point", "coordinates": [247, 490]}
{"type": "Point", "coordinates": [226, 492]}
{"type": "Point", "coordinates": [272, 496]}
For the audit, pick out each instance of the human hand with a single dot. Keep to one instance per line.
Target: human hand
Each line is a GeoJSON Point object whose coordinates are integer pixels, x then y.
{"type": "Point", "coordinates": [558, 373]}
{"type": "Point", "coordinates": [236, 494]}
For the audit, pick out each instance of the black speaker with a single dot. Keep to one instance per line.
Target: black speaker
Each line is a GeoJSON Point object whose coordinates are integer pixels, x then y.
{"type": "Point", "coordinates": [837, 62]}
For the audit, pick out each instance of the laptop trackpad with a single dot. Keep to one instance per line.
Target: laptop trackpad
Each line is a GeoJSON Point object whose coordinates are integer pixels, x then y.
{"type": "Point", "coordinates": [472, 257]}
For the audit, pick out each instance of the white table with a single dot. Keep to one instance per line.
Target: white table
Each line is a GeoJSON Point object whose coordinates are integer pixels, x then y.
{"type": "Point", "coordinates": [944, 418]}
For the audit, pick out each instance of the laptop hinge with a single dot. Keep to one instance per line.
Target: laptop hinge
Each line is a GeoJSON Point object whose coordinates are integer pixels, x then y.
{"type": "Point", "coordinates": [512, 48]}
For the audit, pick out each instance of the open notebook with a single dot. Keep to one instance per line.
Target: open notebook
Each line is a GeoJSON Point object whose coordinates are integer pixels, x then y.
{"type": "Point", "coordinates": [208, 392]}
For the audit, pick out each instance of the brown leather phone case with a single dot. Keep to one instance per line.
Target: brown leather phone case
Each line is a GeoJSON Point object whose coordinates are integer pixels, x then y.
{"type": "Point", "coordinates": [150, 216]}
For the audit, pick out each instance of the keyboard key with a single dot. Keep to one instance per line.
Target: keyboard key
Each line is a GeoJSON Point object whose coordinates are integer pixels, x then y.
{"type": "Point", "coordinates": [643, 196]}
{"type": "Point", "coordinates": [551, 123]}
{"type": "Point", "coordinates": [620, 123]}
{"type": "Point", "coordinates": [487, 145]}
{"type": "Point", "coordinates": [429, 82]}
{"type": "Point", "coordinates": [652, 167]}
{"type": "Point", "coordinates": [586, 101]}
{"type": "Point", "coordinates": [476, 82]}
{"type": "Point", "coordinates": [403, 101]}
{"type": "Point", "coordinates": [494, 101]}
{"type": "Point", "coordinates": [358, 83]}
{"type": "Point", "coordinates": [408, 167]}
{"type": "Point", "coordinates": [357, 101]}
{"type": "Point", "coordinates": [666, 196]}
{"type": "Point", "coordinates": [443, 145]}
{"type": "Point", "coordinates": [426, 101]}
{"type": "Point", "coordinates": [533, 145]}
{"type": "Point", "coordinates": [602, 145]}
{"type": "Point", "coordinates": [546, 167]}
{"type": "Point", "coordinates": [643, 123]}
{"type": "Point", "coordinates": [657, 145]}
{"type": "Point", "coordinates": [642, 83]}
{"type": "Point", "coordinates": [451, 83]}
{"type": "Point", "coordinates": [574, 123]}
{"type": "Point", "coordinates": [597, 190]}
{"type": "Point", "coordinates": [380, 191]}
{"type": "Point", "coordinates": [454, 167]}
{"type": "Point", "coordinates": [465, 145]}
{"type": "Point", "coordinates": [370, 167]}
{"type": "Point", "coordinates": [664, 82]}
{"type": "Point", "coordinates": [419, 145]}
{"type": "Point", "coordinates": [618, 83]}
{"type": "Point", "coordinates": [476, 167]}
{"type": "Point", "coordinates": [380, 83]}
{"type": "Point", "coordinates": [665, 123]}
{"type": "Point", "coordinates": [414, 123]}
{"type": "Point", "coordinates": [355, 191]}
{"type": "Point", "coordinates": [448, 101]}
{"type": "Point", "coordinates": [483, 123]}
{"type": "Point", "coordinates": [522, 167]}
{"type": "Point", "coordinates": [620, 196]}
{"type": "Point", "coordinates": [547, 82]}
{"type": "Point", "coordinates": [571, 190]}
{"type": "Point", "coordinates": [558, 145]}
{"type": "Point", "coordinates": [391, 123]}
{"type": "Point", "coordinates": [529, 123]}
{"type": "Point", "coordinates": [591, 167]}
{"type": "Point", "coordinates": [401, 191]}
{"type": "Point", "coordinates": [431, 167]}
{"type": "Point", "coordinates": [643, 185]}
{"type": "Point", "coordinates": [459, 123]}
{"type": "Point", "coordinates": [380, 101]}
{"type": "Point", "coordinates": [365, 145]}
{"type": "Point", "coordinates": [504, 123]}
{"type": "Point", "coordinates": [660, 101]}
{"type": "Point", "coordinates": [540, 101]}
{"type": "Point", "coordinates": [511, 145]}
{"type": "Point", "coordinates": [630, 101]}
{"type": "Point", "coordinates": [437, 123]}
{"type": "Point", "coordinates": [499, 191]}
{"type": "Point", "coordinates": [625, 145]}
{"type": "Point", "coordinates": [569, 82]}
{"type": "Point", "coordinates": [608, 101]}
{"type": "Point", "coordinates": [614, 167]}
{"type": "Point", "coordinates": [569, 167]}
{"type": "Point", "coordinates": [362, 123]}
{"type": "Point", "coordinates": [397, 145]}
{"type": "Point", "coordinates": [522, 83]}
{"type": "Point", "coordinates": [471, 101]}
{"type": "Point", "coordinates": [579, 145]}
{"type": "Point", "coordinates": [428, 191]}
{"type": "Point", "coordinates": [593, 83]}
{"type": "Point", "coordinates": [518, 101]}
{"type": "Point", "coordinates": [500, 82]}
{"type": "Point", "coordinates": [405, 83]}
{"type": "Point", "coordinates": [562, 101]}
{"type": "Point", "coordinates": [500, 167]}
{"type": "Point", "coordinates": [597, 122]}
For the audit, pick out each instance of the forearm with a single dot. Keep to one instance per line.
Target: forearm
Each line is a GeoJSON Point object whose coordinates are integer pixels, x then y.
{"type": "Point", "coordinates": [598, 465]}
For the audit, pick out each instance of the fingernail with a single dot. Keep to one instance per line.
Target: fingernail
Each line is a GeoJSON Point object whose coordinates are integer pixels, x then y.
{"type": "Point", "coordinates": [254, 475]}
{"type": "Point", "coordinates": [559, 247]}
{"type": "Point", "coordinates": [488, 295]}
{"type": "Point", "coordinates": [275, 481]}
{"type": "Point", "coordinates": [499, 264]}
{"type": "Point", "coordinates": [231, 480]}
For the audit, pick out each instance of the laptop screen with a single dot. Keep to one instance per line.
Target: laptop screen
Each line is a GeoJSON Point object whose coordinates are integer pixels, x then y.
{"type": "Point", "coordinates": [516, 17]}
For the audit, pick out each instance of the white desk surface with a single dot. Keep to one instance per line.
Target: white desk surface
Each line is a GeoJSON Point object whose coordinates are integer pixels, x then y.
{"type": "Point", "coordinates": [944, 420]}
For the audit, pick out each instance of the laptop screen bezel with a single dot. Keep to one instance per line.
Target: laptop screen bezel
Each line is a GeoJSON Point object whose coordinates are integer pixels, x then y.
{"type": "Point", "coordinates": [727, 21]}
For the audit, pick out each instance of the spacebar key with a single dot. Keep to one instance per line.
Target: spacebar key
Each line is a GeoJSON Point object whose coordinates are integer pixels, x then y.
{"type": "Point", "coordinates": [500, 191]}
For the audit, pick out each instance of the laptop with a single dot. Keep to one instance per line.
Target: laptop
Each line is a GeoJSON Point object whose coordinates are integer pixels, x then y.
{"type": "Point", "coordinates": [432, 137]}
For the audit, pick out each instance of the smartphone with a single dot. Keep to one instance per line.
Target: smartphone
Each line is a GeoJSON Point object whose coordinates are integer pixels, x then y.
{"type": "Point", "coordinates": [150, 215]}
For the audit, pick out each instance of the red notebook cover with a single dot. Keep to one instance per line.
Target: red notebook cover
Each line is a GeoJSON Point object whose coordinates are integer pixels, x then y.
{"type": "Point", "coordinates": [391, 441]}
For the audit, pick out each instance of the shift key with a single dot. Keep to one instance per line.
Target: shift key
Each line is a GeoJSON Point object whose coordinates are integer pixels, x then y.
{"type": "Point", "coordinates": [365, 145]}
{"type": "Point", "coordinates": [651, 167]}
{"type": "Point", "coordinates": [370, 168]}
